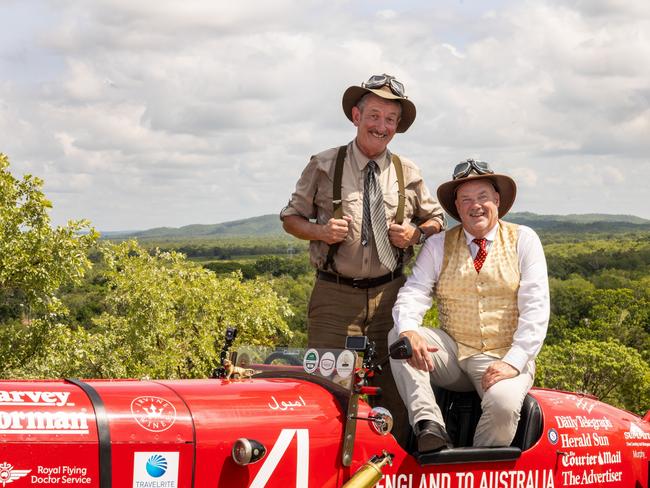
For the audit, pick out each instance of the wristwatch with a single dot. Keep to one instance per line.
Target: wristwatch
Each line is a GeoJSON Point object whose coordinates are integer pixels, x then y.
{"type": "Point", "coordinates": [423, 236]}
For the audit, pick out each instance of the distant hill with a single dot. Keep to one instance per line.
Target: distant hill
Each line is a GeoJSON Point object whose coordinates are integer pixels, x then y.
{"type": "Point", "coordinates": [271, 226]}
{"type": "Point", "coordinates": [264, 225]}
{"type": "Point", "coordinates": [580, 222]}
{"type": "Point", "coordinates": [578, 218]}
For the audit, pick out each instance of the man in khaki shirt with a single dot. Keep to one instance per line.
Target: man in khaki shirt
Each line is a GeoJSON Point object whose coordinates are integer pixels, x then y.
{"type": "Point", "coordinates": [354, 292]}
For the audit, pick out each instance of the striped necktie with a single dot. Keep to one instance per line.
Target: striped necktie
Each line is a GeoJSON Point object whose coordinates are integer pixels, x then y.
{"type": "Point", "coordinates": [374, 218]}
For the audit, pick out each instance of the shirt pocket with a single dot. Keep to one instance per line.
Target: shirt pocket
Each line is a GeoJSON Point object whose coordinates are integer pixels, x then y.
{"type": "Point", "coordinates": [323, 202]}
{"type": "Point", "coordinates": [391, 200]}
{"type": "Point", "coordinates": [353, 206]}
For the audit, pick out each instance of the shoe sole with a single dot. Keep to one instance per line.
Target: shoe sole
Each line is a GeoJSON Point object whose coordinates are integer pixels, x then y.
{"type": "Point", "coordinates": [431, 442]}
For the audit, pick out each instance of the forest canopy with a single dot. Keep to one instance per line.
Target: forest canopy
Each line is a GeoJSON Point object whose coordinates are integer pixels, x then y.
{"type": "Point", "coordinates": [73, 304]}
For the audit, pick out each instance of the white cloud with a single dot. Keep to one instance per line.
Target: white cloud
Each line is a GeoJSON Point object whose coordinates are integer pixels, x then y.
{"type": "Point", "coordinates": [525, 177]}
{"type": "Point", "coordinates": [148, 113]}
{"type": "Point", "coordinates": [387, 14]}
{"type": "Point", "coordinates": [455, 52]}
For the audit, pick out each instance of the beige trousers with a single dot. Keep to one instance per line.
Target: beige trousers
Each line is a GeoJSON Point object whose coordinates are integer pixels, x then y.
{"type": "Point", "coordinates": [501, 404]}
{"type": "Point", "coordinates": [336, 311]}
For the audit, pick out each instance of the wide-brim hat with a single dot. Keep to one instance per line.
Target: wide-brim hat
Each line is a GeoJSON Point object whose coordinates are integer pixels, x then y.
{"type": "Point", "coordinates": [354, 93]}
{"type": "Point", "coordinates": [503, 184]}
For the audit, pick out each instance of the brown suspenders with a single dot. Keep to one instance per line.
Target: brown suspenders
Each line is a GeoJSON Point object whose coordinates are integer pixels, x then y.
{"type": "Point", "coordinates": [337, 202]}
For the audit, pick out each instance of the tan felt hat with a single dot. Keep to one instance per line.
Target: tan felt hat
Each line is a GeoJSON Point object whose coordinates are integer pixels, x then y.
{"type": "Point", "coordinates": [471, 170]}
{"type": "Point", "coordinates": [384, 86]}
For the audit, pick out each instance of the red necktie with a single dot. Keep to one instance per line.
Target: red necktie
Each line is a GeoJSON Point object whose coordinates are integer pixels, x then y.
{"type": "Point", "coordinates": [481, 254]}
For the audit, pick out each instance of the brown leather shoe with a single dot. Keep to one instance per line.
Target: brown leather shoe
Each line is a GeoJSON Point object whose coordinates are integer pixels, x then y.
{"type": "Point", "coordinates": [431, 436]}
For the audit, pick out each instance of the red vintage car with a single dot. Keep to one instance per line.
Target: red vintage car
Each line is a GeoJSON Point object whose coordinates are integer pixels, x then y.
{"type": "Point", "coordinates": [304, 424]}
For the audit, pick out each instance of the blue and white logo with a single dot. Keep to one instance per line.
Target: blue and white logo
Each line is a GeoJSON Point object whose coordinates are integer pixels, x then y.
{"type": "Point", "coordinates": [155, 469]}
{"type": "Point", "coordinates": [553, 436]}
{"type": "Point", "coordinates": [156, 465]}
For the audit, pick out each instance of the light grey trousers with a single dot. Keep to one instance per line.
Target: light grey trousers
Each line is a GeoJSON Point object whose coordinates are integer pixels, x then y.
{"type": "Point", "coordinates": [501, 404]}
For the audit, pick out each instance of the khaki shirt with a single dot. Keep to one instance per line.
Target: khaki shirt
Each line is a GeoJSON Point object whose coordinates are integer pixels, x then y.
{"type": "Point", "coordinates": [312, 200]}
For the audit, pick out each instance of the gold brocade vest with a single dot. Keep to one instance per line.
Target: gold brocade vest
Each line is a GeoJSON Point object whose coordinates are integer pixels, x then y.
{"type": "Point", "coordinates": [479, 310]}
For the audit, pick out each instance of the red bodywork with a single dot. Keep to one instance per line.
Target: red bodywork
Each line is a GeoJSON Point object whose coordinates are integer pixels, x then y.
{"type": "Point", "coordinates": [170, 434]}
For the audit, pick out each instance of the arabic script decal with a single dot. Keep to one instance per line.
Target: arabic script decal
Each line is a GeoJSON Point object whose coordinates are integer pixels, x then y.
{"type": "Point", "coordinates": [284, 405]}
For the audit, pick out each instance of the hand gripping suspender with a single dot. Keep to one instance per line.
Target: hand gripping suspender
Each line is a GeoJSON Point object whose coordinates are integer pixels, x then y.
{"type": "Point", "coordinates": [338, 208]}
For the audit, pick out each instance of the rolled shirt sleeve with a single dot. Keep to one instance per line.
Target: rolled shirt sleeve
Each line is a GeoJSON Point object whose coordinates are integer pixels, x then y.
{"type": "Point", "coordinates": [425, 207]}
{"type": "Point", "coordinates": [302, 199]}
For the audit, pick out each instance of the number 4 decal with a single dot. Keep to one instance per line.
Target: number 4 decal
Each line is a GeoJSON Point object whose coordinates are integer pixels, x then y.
{"type": "Point", "coordinates": [280, 447]}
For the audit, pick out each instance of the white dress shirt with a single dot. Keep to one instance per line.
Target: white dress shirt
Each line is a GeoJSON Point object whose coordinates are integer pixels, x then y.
{"type": "Point", "coordinates": [415, 297]}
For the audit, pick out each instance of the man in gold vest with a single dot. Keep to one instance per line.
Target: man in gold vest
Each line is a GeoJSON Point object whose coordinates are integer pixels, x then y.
{"type": "Point", "coordinates": [490, 282]}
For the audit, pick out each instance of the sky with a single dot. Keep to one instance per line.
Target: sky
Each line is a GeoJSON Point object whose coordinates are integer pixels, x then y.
{"type": "Point", "coordinates": [148, 113]}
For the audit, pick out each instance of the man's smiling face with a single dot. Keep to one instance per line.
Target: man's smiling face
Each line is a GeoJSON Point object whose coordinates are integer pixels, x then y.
{"type": "Point", "coordinates": [376, 120]}
{"type": "Point", "coordinates": [477, 203]}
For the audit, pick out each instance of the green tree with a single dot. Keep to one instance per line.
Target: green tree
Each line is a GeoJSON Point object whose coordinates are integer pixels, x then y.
{"type": "Point", "coordinates": [607, 369]}
{"type": "Point", "coordinates": [571, 298]}
{"type": "Point", "coordinates": [35, 259]}
{"type": "Point", "coordinates": [163, 315]}
{"type": "Point", "coordinates": [278, 266]}
{"type": "Point", "coordinates": [297, 292]}
{"type": "Point", "coordinates": [620, 315]}
{"type": "Point", "coordinates": [431, 318]}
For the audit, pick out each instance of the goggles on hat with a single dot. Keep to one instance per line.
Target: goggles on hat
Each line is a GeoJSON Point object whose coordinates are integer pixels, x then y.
{"type": "Point", "coordinates": [377, 81]}
{"type": "Point", "coordinates": [465, 168]}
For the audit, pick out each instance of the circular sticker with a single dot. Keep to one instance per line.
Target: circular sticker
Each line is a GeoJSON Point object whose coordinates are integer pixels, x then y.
{"type": "Point", "coordinates": [327, 364]}
{"type": "Point", "coordinates": [153, 413]}
{"type": "Point", "coordinates": [310, 361]}
{"type": "Point", "coordinates": [553, 436]}
{"type": "Point", "coordinates": [345, 364]}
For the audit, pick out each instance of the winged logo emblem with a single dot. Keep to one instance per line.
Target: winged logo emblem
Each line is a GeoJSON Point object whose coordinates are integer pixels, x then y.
{"type": "Point", "coordinates": [8, 474]}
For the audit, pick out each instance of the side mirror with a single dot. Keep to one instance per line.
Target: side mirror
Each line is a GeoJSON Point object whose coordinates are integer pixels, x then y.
{"type": "Point", "coordinates": [401, 349]}
{"type": "Point", "coordinates": [381, 420]}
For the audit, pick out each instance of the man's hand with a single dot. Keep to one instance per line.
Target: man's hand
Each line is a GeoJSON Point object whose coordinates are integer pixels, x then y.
{"type": "Point", "coordinates": [336, 230]}
{"type": "Point", "coordinates": [497, 371]}
{"type": "Point", "coordinates": [421, 358]}
{"type": "Point", "coordinates": [402, 236]}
